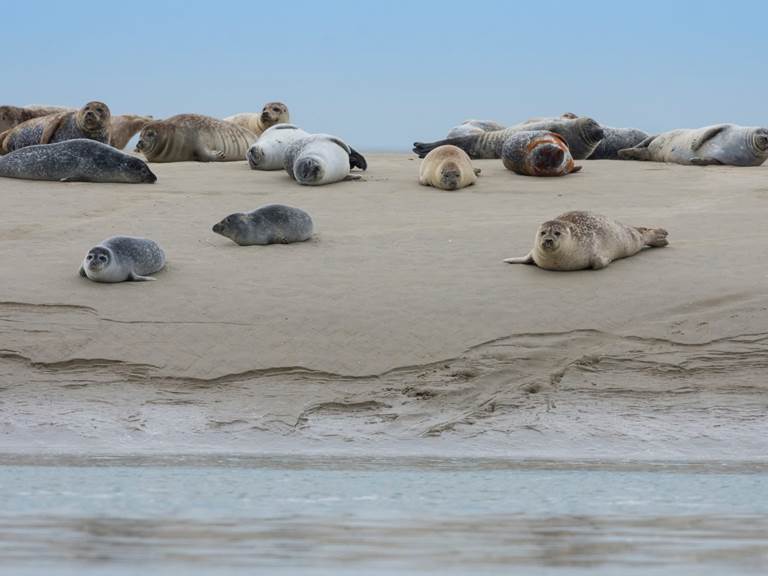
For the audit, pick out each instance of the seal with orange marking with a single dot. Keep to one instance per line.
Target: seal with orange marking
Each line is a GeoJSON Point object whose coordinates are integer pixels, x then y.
{"type": "Point", "coordinates": [537, 153]}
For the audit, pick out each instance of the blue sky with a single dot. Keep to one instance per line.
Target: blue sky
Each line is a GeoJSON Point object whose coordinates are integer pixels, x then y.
{"type": "Point", "coordinates": [383, 75]}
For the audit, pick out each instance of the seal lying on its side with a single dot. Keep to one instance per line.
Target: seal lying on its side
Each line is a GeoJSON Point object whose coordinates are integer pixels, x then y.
{"type": "Point", "coordinates": [272, 113]}
{"type": "Point", "coordinates": [268, 153]}
{"type": "Point", "coordinates": [11, 116]}
{"type": "Point", "coordinates": [91, 121]}
{"type": "Point", "coordinates": [720, 144]}
{"type": "Point", "coordinates": [79, 160]}
{"type": "Point", "coordinates": [124, 127]}
{"type": "Point", "coordinates": [272, 224]}
{"type": "Point", "coordinates": [537, 153]}
{"type": "Point", "coordinates": [579, 240]}
{"type": "Point", "coordinates": [193, 137]}
{"type": "Point", "coordinates": [470, 127]}
{"type": "Point", "coordinates": [321, 159]}
{"type": "Point", "coordinates": [122, 258]}
{"type": "Point", "coordinates": [615, 139]}
{"type": "Point", "coordinates": [447, 168]}
{"type": "Point", "coordinates": [581, 134]}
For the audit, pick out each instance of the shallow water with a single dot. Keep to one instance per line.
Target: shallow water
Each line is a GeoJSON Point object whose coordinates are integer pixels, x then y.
{"type": "Point", "coordinates": [365, 516]}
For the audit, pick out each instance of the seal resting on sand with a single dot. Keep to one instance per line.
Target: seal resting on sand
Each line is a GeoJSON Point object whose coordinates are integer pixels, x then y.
{"type": "Point", "coordinates": [271, 224]}
{"type": "Point", "coordinates": [537, 153]}
{"type": "Point", "coordinates": [122, 258]}
{"type": "Point", "coordinates": [448, 168]}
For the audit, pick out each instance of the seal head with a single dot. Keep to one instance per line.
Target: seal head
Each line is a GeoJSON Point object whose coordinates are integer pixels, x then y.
{"type": "Point", "coordinates": [97, 261]}
{"type": "Point", "coordinates": [235, 226]}
{"type": "Point", "coordinates": [93, 118]}
{"type": "Point", "coordinates": [274, 113]}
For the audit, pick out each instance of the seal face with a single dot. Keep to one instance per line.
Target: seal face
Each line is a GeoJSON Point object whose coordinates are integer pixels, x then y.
{"type": "Point", "coordinates": [268, 153]}
{"type": "Point", "coordinates": [271, 224]}
{"type": "Point", "coordinates": [727, 144]}
{"type": "Point", "coordinates": [122, 258]}
{"type": "Point", "coordinates": [271, 114]}
{"type": "Point", "coordinates": [447, 168]}
{"type": "Point", "coordinates": [321, 159]}
{"type": "Point", "coordinates": [79, 160]}
{"type": "Point", "coordinates": [537, 153]}
{"type": "Point", "coordinates": [579, 240]}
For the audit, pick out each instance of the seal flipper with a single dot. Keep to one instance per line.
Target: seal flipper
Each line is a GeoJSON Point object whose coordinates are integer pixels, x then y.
{"type": "Point", "coordinates": [357, 160]}
{"type": "Point", "coordinates": [710, 133]}
{"type": "Point", "coordinates": [82, 272]}
{"type": "Point", "coordinates": [53, 125]}
{"type": "Point", "coordinates": [696, 161]}
{"type": "Point", "coordinates": [136, 278]}
{"type": "Point", "coordinates": [421, 149]}
{"type": "Point", "coordinates": [639, 152]}
{"type": "Point", "coordinates": [528, 259]}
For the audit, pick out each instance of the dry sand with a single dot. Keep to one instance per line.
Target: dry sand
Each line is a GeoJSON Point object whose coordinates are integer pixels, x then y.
{"type": "Point", "coordinates": [397, 329]}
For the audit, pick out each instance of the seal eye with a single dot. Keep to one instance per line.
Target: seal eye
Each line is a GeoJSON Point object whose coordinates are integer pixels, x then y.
{"type": "Point", "coordinates": [89, 257]}
{"type": "Point", "coordinates": [543, 232]}
{"type": "Point", "coordinates": [557, 233]}
{"type": "Point", "coordinates": [102, 258]}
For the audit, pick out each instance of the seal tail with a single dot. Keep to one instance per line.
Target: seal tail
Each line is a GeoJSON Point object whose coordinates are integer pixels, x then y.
{"type": "Point", "coordinates": [421, 149]}
{"type": "Point", "coordinates": [357, 160]}
{"type": "Point", "coordinates": [655, 237]}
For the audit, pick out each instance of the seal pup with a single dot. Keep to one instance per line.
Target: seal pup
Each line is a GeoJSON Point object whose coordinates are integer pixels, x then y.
{"type": "Point", "coordinates": [321, 159]}
{"type": "Point", "coordinates": [11, 116]}
{"type": "Point", "coordinates": [194, 137]}
{"type": "Point", "coordinates": [272, 113]}
{"type": "Point", "coordinates": [579, 240]}
{"type": "Point", "coordinates": [271, 224]}
{"type": "Point", "coordinates": [268, 153]}
{"type": "Point", "coordinates": [727, 144]}
{"type": "Point", "coordinates": [537, 153]}
{"type": "Point", "coordinates": [470, 127]}
{"type": "Point", "coordinates": [122, 258]}
{"type": "Point", "coordinates": [124, 127]}
{"type": "Point", "coordinates": [581, 134]}
{"type": "Point", "coordinates": [91, 121]}
{"type": "Point", "coordinates": [79, 160]}
{"type": "Point", "coordinates": [448, 168]}
{"type": "Point", "coordinates": [615, 139]}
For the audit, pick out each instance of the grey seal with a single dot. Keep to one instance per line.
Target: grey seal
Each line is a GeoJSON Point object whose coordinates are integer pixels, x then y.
{"type": "Point", "coordinates": [727, 144]}
{"type": "Point", "coordinates": [615, 139]}
{"type": "Point", "coordinates": [271, 224]}
{"type": "Point", "coordinates": [537, 153]}
{"type": "Point", "coordinates": [321, 159]}
{"type": "Point", "coordinates": [268, 152]}
{"type": "Point", "coordinates": [470, 127]}
{"type": "Point", "coordinates": [122, 258]}
{"type": "Point", "coordinates": [79, 160]}
{"type": "Point", "coordinates": [579, 240]}
{"type": "Point", "coordinates": [581, 134]}
{"type": "Point", "coordinates": [272, 113]}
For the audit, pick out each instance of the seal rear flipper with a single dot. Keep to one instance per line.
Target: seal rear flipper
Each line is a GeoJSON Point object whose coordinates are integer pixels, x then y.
{"type": "Point", "coordinates": [696, 161]}
{"type": "Point", "coordinates": [575, 169]}
{"type": "Point", "coordinates": [528, 259]}
{"type": "Point", "coordinates": [464, 142]}
{"type": "Point", "coordinates": [82, 272]}
{"type": "Point", "coordinates": [351, 177]}
{"type": "Point", "coordinates": [708, 134]}
{"type": "Point", "coordinates": [636, 153]}
{"type": "Point", "coordinates": [357, 160]}
{"type": "Point", "coordinates": [136, 278]}
{"type": "Point", "coordinates": [477, 171]}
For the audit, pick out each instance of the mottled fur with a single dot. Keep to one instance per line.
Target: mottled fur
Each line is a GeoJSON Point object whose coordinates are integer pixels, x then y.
{"type": "Point", "coordinates": [272, 224]}
{"type": "Point", "coordinates": [470, 127]}
{"type": "Point", "coordinates": [122, 258]}
{"type": "Point", "coordinates": [11, 116]}
{"type": "Point", "coordinates": [537, 153]}
{"type": "Point", "coordinates": [615, 139]}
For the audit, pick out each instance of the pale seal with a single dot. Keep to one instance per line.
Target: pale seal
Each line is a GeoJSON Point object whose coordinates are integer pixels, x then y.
{"type": "Point", "coordinates": [719, 144]}
{"type": "Point", "coordinates": [79, 160]}
{"type": "Point", "coordinates": [193, 137]}
{"type": "Point", "coordinates": [321, 159]}
{"type": "Point", "coordinates": [124, 127]}
{"type": "Point", "coordinates": [537, 153]}
{"type": "Point", "coordinates": [563, 116]}
{"type": "Point", "coordinates": [268, 153]}
{"type": "Point", "coordinates": [580, 240]}
{"type": "Point", "coordinates": [122, 258]}
{"type": "Point", "coordinates": [91, 121]}
{"type": "Point", "coordinates": [448, 168]}
{"type": "Point", "coordinates": [581, 134]}
{"type": "Point", "coordinates": [615, 139]}
{"type": "Point", "coordinates": [272, 113]}
{"type": "Point", "coordinates": [272, 224]}
{"type": "Point", "coordinates": [11, 116]}
{"type": "Point", "coordinates": [470, 127]}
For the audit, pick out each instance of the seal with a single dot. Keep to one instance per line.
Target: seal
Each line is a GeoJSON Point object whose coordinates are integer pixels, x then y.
{"type": "Point", "coordinates": [272, 113]}
{"type": "Point", "coordinates": [581, 134]}
{"type": "Point", "coordinates": [615, 139]}
{"type": "Point", "coordinates": [579, 240]}
{"type": "Point", "coordinates": [124, 127]}
{"type": "Point", "coordinates": [122, 258]}
{"type": "Point", "coordinates": [268, 153]}
{"type": "Point", "coordinates": [727, 144]}
{"type": "Point", "coordinates": [79, 160]}
{"type": "Point", "coordinates": [91, 121]}
{"type": "Point", "coordinates": [470, 127]}
{"type": "Point", "coordinates": [11, 116]}
{"type": "Point", "coordinates": [271, 224]}
{"type": "Point", "coordinates": [448, 168]}
{"type": "Point", "coordinates": [563, 116]}
{"type": "Point", "coordinates": [321, 159]}
{"type": "Point", "coordinates": [193, 137]}
{"type": "Point", "coordinates": [537, 153]}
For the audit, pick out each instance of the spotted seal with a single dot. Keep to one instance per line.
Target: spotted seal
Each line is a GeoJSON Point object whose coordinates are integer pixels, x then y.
{"type": "Point", "coordinates": [79, 160]}
{"type": "Point", "coordinates": [122, 258]}
{"type": "Point", "coordinates": [321, 159]}
{"type": "Point", "coordinates": [448, 168]}
{"type": "Point", "coordinates": [271, 224]}
{"type": "Point", "coordinates": [615, 139]}
{"type": "Point", "coordinates": [194, 137]}
{"type": "Point", "coordinates": [579, 240]}
{"type": "Point", "coordinates": [11, 116]}
{"type": "Point", "coordinates": [268, 152]}
{"type": "Point", "coordinates": [92, 121]}
{"type": "Point", "coordinates": [272, 113]}
{"type": "Point", "coordinates": [537, 153]}
{"type": "Point", "coordinates": [719, 144]}
{"type": "Point", "coordinates": [581, 134]}
{"type": "Point", "coordinates": [124, 127]}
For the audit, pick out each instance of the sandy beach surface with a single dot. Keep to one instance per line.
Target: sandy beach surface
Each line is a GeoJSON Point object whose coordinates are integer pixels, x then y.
{"type": "Point", "coordinates": [397, 329]}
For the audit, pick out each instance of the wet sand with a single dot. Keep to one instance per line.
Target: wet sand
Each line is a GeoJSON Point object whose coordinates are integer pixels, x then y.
{"type": "Point", "coordinates": [397, 329]}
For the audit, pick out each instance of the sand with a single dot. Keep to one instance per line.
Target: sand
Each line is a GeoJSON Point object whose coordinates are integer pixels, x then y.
{"type": "Point", "coordinates": [398, 328]}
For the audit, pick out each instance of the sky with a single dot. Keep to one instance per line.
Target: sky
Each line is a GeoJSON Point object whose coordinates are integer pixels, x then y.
{"type": "Point", "coordinates": [381, 75]}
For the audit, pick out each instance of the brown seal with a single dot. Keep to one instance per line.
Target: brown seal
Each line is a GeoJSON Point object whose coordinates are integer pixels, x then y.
{"type": "Point", "coordinates": [272, 113]}
{"type": "Point", "coordinates": [447, 168]}
{"type": "Point", "coordinates": [537, 153]}
{"type": "Point", "coordinates": [124, 127]}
